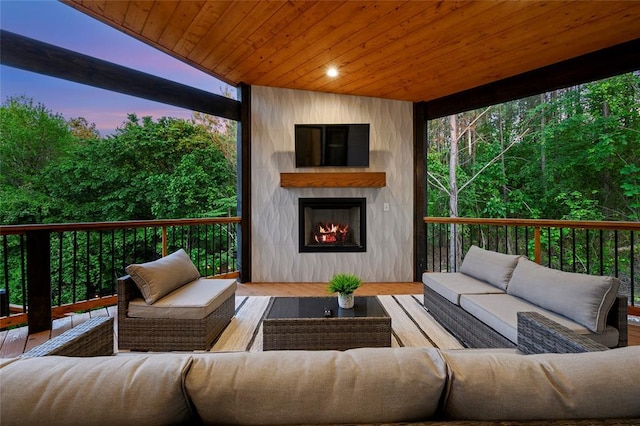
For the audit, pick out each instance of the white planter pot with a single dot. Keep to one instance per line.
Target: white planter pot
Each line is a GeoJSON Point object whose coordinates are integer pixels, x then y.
{"type": "Point", "coordinates": [345, 301]}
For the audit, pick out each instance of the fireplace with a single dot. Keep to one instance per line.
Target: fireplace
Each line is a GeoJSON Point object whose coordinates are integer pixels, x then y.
{"type": "Point", "coordinates": [329, 225]}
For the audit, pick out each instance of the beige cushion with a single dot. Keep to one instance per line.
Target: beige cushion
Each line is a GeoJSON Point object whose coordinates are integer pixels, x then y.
{"type": "Point", "coordinates": [490, 266]}
{"type": "Point", "coordinates": [54, 390]}
{"type": "Point", "coordinates": [6, 361]}
{"type": "Point", "coordinates": [160, 277]}
{"type": "Point", "coordinates": [586, 299]}
{"type": "Point", "coordinates": [485, 386]}
{"type": "Point", "coordinates": [451, 285]}
{"type": "Point", "coordinates": [368, 385]}
{"type": "Point", "coordinates": [194, 300]}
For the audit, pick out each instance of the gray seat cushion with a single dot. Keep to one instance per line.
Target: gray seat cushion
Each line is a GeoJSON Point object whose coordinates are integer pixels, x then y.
{"type": "Point", "coordinates": [500, 312]}
{"type": "Point", "coordinates": [451, 285]}
{"type": "Point", "coordinates": [194, 300]}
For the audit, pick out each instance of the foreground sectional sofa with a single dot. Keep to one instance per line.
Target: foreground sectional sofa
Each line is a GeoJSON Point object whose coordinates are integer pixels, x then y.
{"type": "Point", "coordinates": [358, 386]}
{"type": "Point", "coordinates": [481, 304]}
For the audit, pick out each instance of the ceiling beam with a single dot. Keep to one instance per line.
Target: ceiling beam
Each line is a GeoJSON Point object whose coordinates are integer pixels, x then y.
{"type": "Point", "coordinates": [42, 58]}
{"type": "Point", "coordinates": [604, 63]}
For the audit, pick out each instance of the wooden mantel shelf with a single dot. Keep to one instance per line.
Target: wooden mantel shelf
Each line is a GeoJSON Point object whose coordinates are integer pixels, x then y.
{"type": "Point", "coordinates": [333, 180]}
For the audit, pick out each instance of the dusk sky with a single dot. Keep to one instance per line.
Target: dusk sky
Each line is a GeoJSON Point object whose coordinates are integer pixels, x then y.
{"type": "Point", "coordinates": [55, 23]}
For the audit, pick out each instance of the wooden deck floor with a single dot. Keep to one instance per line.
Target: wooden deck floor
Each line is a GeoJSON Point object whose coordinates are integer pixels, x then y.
{"type": "Point", "coordinates": [17, 341]}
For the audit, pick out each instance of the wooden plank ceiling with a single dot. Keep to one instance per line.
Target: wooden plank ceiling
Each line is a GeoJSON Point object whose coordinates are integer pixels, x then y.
{"type": "Point", "coordinates": [405, 50]}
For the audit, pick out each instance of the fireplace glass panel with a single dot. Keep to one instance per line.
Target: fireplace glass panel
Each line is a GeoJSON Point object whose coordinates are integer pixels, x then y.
{"type": "Point", "coordinates": [332, 225]}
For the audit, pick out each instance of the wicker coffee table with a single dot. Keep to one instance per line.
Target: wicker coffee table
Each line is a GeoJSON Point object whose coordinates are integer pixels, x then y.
{"type": "Point", "coordinates": [301, 323]}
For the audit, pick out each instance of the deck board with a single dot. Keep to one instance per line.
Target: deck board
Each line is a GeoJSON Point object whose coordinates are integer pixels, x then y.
{"type": "Point", "coordinates": [240, 332]}
{"type": "Point", "coordinates": [14, 342]}
{"type": "Point", "coordinates": [434, 330]}
{"type": "Point", "coordinates": [634, 335]}
{"type": "Point", "coordinates": [37, 339]}
{"type": "Point", "coordinates": [403, 325]}
{"type": "Point", "coordinates": [61, 325]}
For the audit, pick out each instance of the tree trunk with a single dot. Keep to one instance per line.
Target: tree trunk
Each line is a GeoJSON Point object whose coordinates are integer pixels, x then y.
{"type": "Point", "coordinates": [505, 192]}
{"type": "Point", "coordinates": [543, 158]}
{"type": "Point", "coordinates": [453, 190]}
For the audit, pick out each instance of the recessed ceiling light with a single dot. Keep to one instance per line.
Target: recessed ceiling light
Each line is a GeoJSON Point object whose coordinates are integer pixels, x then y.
{"type": "Point", "coordinates": [332, 72]}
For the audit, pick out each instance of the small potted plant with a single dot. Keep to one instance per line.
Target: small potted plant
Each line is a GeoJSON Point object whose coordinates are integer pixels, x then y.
{"type": "Point", "coordinates": [344, 285]}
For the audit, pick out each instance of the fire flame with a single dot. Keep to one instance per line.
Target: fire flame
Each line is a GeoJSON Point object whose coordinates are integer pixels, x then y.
{"type": "Point", "coordinates": [330, 233]}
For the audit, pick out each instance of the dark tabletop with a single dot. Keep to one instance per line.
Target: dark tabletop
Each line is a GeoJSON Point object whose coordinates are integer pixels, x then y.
{"type": "Point", "coordinates": [314, 307]}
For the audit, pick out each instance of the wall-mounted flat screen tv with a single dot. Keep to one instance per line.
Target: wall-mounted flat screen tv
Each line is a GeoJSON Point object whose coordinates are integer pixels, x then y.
{"type": "Point", "coordinates": [332, 145]}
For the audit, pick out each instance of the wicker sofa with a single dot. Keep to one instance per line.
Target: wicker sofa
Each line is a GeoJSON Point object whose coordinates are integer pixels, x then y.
{"type": "Point", "coordinates": [492, 300]}
{"type": "Point", "coordinates": [165, 305]}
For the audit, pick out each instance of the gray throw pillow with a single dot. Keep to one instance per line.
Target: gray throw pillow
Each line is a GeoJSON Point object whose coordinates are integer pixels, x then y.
{"type": "Point", "coordinates": [158, 278]}
{"type": "Point", "coordinates": [586, 299]}
{"type": "Point", "coordinates": [489, 266]}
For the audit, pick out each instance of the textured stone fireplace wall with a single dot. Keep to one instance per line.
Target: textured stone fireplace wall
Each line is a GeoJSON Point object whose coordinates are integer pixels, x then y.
{"type": "Point", "coordinates": [274, 210]}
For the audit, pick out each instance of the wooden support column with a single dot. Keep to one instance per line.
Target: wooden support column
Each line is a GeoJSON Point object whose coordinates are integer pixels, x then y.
{"type": "Point", "coordinates": [39, 280]}
{"type": "Point", "coordinates": [244, 184]}
{"type": "Point", "coordinates": [419, 189]}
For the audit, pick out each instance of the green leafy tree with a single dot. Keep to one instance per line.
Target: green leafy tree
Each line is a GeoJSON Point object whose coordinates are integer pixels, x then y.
{"type": "Point", "coordinates": [579, 153]}
{"type": "Point", "coordinates": [592, 137]}
{"type": "Point", "coordinates": [149, 169]}
{"type": "Point", "coordinates": [32, 139]}
{"type": "Point", "coordinates": [58, 171]}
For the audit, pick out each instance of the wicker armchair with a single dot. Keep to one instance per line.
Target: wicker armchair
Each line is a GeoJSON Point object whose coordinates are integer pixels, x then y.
{"type": "Point", "coordinates": [167, 334]}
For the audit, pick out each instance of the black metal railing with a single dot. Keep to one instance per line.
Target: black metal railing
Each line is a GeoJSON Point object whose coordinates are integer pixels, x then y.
{"type": "Point", "coordinates": [68, 267]}
{"type": "Point", "coordinates": [77, 264]}
{"type": "Point", "coordinates": [591, 247]}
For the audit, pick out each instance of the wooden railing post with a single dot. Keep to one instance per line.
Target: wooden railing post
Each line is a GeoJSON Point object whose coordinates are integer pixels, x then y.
{"type": "Point", "coordinates": [537, 249]}
{"type": "Point", "coordinates": [164, 241]}
{"type": "Point", "coordinates": [39, 280]}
